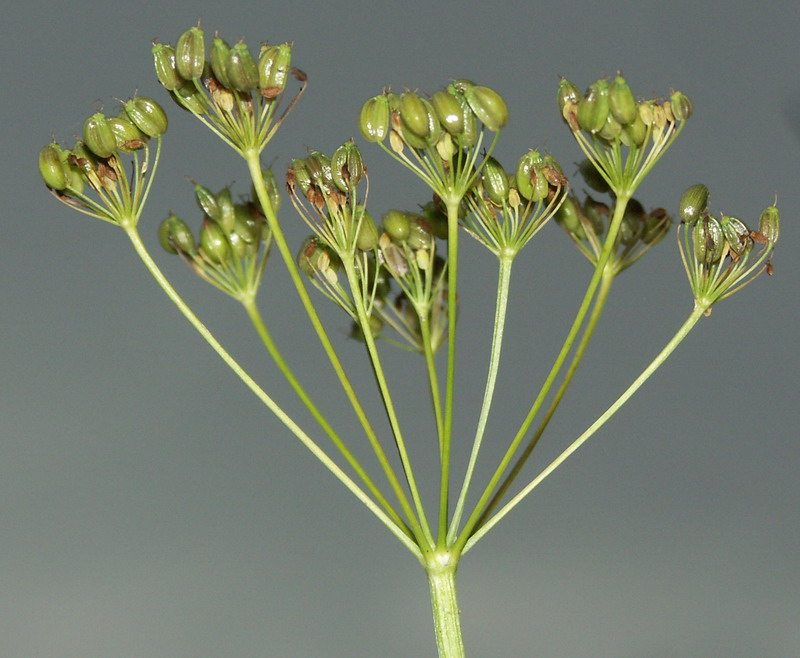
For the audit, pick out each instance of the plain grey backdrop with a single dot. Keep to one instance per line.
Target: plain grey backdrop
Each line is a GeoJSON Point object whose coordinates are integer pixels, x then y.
{"type": "Point", "coordinates": [150, 507]}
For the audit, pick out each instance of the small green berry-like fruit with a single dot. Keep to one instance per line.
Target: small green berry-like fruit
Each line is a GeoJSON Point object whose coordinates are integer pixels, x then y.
{"type": "Point", "coordinates": [129, 137]}
{"type": "Point", "coordinates": [374, 119]}
{"type": "Point", "coordinates": [736, 233]}
{"type": "Point", "coordinates": [99, 136]}
{"type": "Point", "coordinates": [147, 115]}
{"type": "Point", "coordinates": [567, 93]}
{"type": "Point", "coordinates": [218, 57]}
{"type": "Point", "coordinates": [621, 101]}
{"type": "Point", "coordinates": [52, 169]}
{"type": "Point", "coordinates": [593, 107]}
{"type": "Point", "coordinates": [488, 106]}
{"type": "Point", "coordinates": [241, 68]}
{"type": "Point", "coordinates": [347, 167]}
{"type": "Point", "coordinates": [397, 225]}
{"type": "Point", "coordinates": [418, 117]}
{"type": "Point", "coordinates": [527, 172]}
{"type": "Point", "coordinates": [681, 106]}
{"type": "Point", "coordinates": [175, 236]}
{"type": "Point", "coordinates": [449, 112]}
{"type": "Point", "coordinates": [190, 98]}
{"type": "Point", "coordinates": [367, 237]}
{"type": "Point", "coordinates": [708, 241]}
{"type": "Point", "coordinates": [207, 202]}
{"type": "Point", "coordinates": [274, 65]}
{"type": "Point", "coordinates": [419, 234]}
{"type": "Point", "coordinates": [190, 53]}
{"type": "Point", "coordinates": [694, 202]}
{"type": "Point", "coordinates": [593, 177]}
{"type": "Point", "coordinates": [166, 67]}
{"type": "Point", "coordinates": [568, 217]}
{"type": "Point", "coordinates": [495, 181]}
{"type": "Point", "coordinates": [769, 224]}
{"type": "Point", "coordinates": [214, 243]}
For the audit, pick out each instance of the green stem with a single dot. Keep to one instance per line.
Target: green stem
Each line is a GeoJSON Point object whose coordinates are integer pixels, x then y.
{"type": "Point", "coordinates": [433, 379]}
{"type": "Point", "coordinates": [441, 572]}
{"type": "Point", "coordinates": [613, 230]}
{"type": "Point", "coordinates": [597, 310]}
{"type": "Point", "coordinates": [503, 283]}
{"type": "Point", "coordinates": [306, 440]}
{"type": "Point", "coordinates": [258, 323]}
{"type": "Point", "coordinates": [452, 313]}
{"type": "Point", "coordinates": [669, 348]}
{"type": "Point", "coordinates": [386, 396]}
{"type": "Point", "coordinates": [254, 166]}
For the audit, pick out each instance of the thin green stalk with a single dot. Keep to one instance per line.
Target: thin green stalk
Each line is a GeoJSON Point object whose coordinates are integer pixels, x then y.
{"type": "Point", "coordinates": [307, 441]}
{"type": "Point", "coordinates": [698, 312]}
{"type": "Point", "coordinates": [452, 312]}
{"type": "Point", "coordinates": [501, 306]}
{"type": "Point", "coordinates": [433, 379]}
{"type": "Point", "coordinates": [613, 230]}
{"type": "Point", "coordinates": [386, 396]}
{"type": "Point", "coordinates": [444, 603]}
{"type": "Point", "coordinates": [253, 160]}
{"type": "Point", "coordinates": [258, 323]}
{"type": "Point", "coordinates": [597, 310]}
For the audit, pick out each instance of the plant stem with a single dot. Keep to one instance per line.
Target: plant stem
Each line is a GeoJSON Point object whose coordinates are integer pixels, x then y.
{"type": "Point", "coordinates": [308, 442]}
{"type": "Point", "coordinates": [503, 283]}
{"type": "Point", "coordinates": [446, 617]}
{"type": "Point", "coordinates": [597, 310]}
{"type": "Point", "coordinates": [258, 323]}
{"type": "Point", "coordinates": [669, 348]}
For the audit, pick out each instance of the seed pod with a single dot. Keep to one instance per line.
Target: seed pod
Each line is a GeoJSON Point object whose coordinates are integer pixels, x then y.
{"type": "Point", "coordinates": [436, 218]}
{"type": "Point", "coordinates": [526, 174]}
{"type": "Point", "coordinates": [207, 202]}
{"type": "Point", "coordinates": [52, 168]}
{"type": "Point", "coordinates": [567, 93]}
{"type": "Point", "coordinates": [708, 241]}
{"type": "Point", "coordinates": [147, 115]}
{"type": "Point", "coordinates": [374, 119]}
{"type": "Point", "coordinates": [214, 244]}
{"type": "Point", "coordinates": [593, 178]}
{"type": "Point", "coordinates": [165, 65]}
{"type": "Point", "coordinates": [568, 217]}
{"type": "Point", "coordinates": [175, 236]}
{"type": "Point", "coordinates": [190, 53]}
{"type": "Point", "coordinates": [736, 234]}
{"type": "Point", "coordinates": [129, 137]}
{"type": "Point", "coordinates": [633, 223]}
{"type": "Point", "coordinates": [241, 68]}
{"type": "Point", "coordinates": [495, 181]}
{"type": "Point", "coordinates": [367, 237]}
{"type": "Point", "coordinates": [611, 130]}
{"type": "Point", "coordinates": [347, 167]}
{"type": "Point", "coordinates": [274, 65]}
{"type": "Point", "coordinates": [227, 209]}
{"type": "Point", "coordinates": [397, 225]}
{"type": "Point", "coordinates": [299, 174]}
{"type": "Point", "coordinates": [98, 136]}
{"type": "Point", "coordinates": [488, 106]}
{"type": "Point", "coordinates": [418, 117]}
{"type": "Point", "coordinates": [319, 168]}
{"type": "Point", "coordinates": [593, 107]}
{"type": "Point", "coordinates": [419, 234]}
{"type": "Point", "coordinates": [621, 102]}
{"type": "Point", "coordinates": [634, 134]}
{"type": "Point", "coordinates": [448, 111]}
{"type": "Point", "coordinates": [315, 256]}
{"type": "Point", "coordinates": [246, 225]}
{"type": "Point", "coordinates": [693, 204]}
{"type": "Point", "coordinates": [769, 224]}
{"type": "Point", "coordinates": [218, 58]}
{"type": "Point", "coordinates": [681, 106]}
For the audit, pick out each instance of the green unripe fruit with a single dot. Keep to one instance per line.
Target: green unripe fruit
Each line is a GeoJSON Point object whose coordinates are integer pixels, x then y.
{"type": "Point", "coordinates": [436, 218]}
{"type": "Point", "coordinates": [190, 99]}
{"type": "Point", "coordinates": [99, 136]}
{"type": "Point", "coordinates": [526, 174]}
{"type": "Point", "coordinates": [207, 202]}
{"type": "Point", "coordinates": [147, 115]}
{"type": "Point", "coordinates": [769, 224]}
{"type": "Point", "coordinates": [495, 181]}
{"type": "Point", "coordinates": [593, 107]}
{"type": "Point", "coordinates": [593, 178]}
{"type": "Point", "coordinates": [175, 236]}
{"type": "Point", "coordinates": [214, 243]}
{"type": "Point", "coordinates": [635, 133]}
{"type": "Point", "coordinates": [568, 217]}
{"type": "Point", "coordinates": [315, 256]}
{"type": "Point", "coordinates": [241, 68]}
{"type": "Point", "coordinates": [374, 119]}
{"type": "Point", "coordinates": [736, 233]}
{"type": "Point", "coordinates": [448, 111]}
{"type": "Point", "coordinates": [488, 106]}
{"type": "Point", "coordinates": [708, 241]}
{"type": "Point", "coordinates": [274, 65]}
{"type": "Point", "coordinates": [419, 234]}
{"type": "Point", "coordinates": [227, 209]}
{"type": "Point", "coordinates": [129, 137]}
{"type": "Point", "coordinates": [347, 167]}
{"type": "Point", "coordinates": [681, 106]}
{"type": "Point", "coordinates": [397, 225]}
{"type": "Point", "coordinates": [52, 169]}
{"type": "Point", "coordinates": [246, 225]}
{"type": "Point", "coordinates": [367, 237]}
{"type": "Point", "coordinates": [166, 67]}
{"type": "Point", "coordinates": [567, 93]}
{"type": "Point", "coordinates": [319, 168]}
{"type": "Point", "coordinates": [299, 174]}
{"type": "Point", "coordinates": [693, 204]}
{"type": "Point", "coordinates": [218, 57]}
{"type": "Point", "coordinates": [621, 102]}
{"type": "Point", "coordinates": [414, 114]}
{"type": "Point", "coordinates": [190, 53]}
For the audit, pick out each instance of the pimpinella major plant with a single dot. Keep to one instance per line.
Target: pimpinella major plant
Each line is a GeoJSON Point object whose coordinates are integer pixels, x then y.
{"type": "Point", "coordinates": [396, 277]}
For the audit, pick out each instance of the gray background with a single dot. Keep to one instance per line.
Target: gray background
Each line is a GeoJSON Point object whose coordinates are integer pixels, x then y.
{"type": "Point", "coordinates": [149, 506]}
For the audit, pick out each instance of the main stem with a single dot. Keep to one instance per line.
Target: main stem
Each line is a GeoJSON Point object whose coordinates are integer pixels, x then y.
{"type": "Point", "coordinates": [441, 572]}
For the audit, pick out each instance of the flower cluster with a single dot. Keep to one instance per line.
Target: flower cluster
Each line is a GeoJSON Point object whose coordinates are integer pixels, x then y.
{"type": "Point", "coordinates": [233, 93]}
{"type": "Point", "coordinates": [95, 163]}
